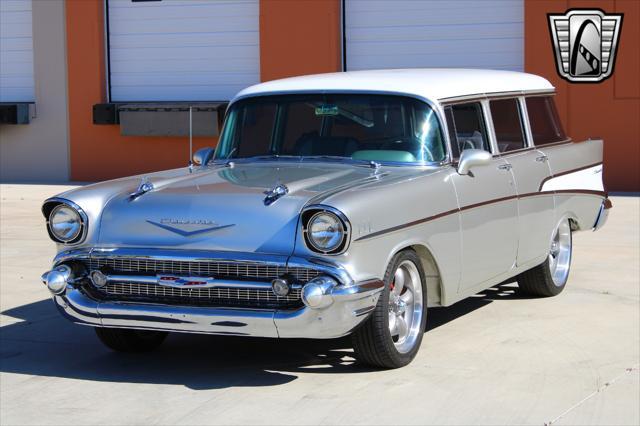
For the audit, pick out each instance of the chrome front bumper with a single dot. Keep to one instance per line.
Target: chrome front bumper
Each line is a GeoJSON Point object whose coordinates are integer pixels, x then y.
{"type": "Point", "coordinates": [331, 309]}
{"type": "Point", "coordinates": [351, 305]}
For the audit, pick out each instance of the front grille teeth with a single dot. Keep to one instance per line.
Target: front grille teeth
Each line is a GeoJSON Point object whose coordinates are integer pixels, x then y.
{"type": "Point", "coordinates": [223, 269]}
{"type": "Point", "coordinates": [209, 293]}
{"type": "Point", "coordinates": [259, 298]}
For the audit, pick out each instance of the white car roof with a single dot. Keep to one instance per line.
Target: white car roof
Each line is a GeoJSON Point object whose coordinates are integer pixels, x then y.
{"type": "Point", "coordinates": [430, 83]}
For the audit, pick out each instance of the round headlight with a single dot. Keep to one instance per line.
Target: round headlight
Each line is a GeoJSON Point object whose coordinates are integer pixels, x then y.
{"type": "Point", "coordinates": [65, 223]}
{"type": "Point", "coordinates": [325, 231]}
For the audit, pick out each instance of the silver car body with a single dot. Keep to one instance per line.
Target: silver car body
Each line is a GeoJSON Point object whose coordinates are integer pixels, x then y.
{"type": "Point", "coordinates": [471, 232]}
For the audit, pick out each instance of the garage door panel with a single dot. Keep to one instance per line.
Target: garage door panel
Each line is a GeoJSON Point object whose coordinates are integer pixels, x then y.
{"type": "Point", "coordinates": [195, 25]}
{"type": "Point", "coordinates": [133, 41]}
{"type": "Point", "coordinates": [239, 65]}
{"type": "Point", "coordinates": [121, 10]}
{"type": "Point", "coordinates": [486, 34]}
{"type": "Point", "coordinates": [451, 61]}
{"type": "Point", "coordinates": [212, 53]}
{"type": "Point", "coordinates": [16, 51]}
{"type": "Point", "coordinates": [177, 93]}
{"type": "Point", "coordinates": [181, 79]}
{"type": "Point", "coordinates": [428, 33]}
{"type": "Point", "coordinates": [182, 50]}
{"type": "Point", "coordinates": [447, 47]}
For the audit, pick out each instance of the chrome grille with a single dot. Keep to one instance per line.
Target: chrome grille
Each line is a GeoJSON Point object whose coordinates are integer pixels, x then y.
{"type": "Point", "coordinates": [205, 294]}
{"type": "Point", "coordinates": [212, 268]}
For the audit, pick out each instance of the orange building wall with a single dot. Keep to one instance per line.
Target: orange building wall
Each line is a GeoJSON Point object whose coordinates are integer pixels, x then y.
{"type": "Point", "coordinates": [610, 109]}
{"type": "Point", "coordinates": [299, 37]}
{"type": "Point", "coordinates": [99, 152]}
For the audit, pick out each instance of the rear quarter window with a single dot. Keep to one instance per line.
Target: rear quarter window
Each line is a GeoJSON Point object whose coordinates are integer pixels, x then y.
{"type": "Point", "coordinates": [544, 121]}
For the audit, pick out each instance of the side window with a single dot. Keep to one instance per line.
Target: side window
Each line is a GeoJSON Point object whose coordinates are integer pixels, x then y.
{"type": "Point", "coordinates": [507, 122]}
{"type": "Point", "coordinates": [466, 128]}
{"type": "Point", "coordinates": [544, 120]}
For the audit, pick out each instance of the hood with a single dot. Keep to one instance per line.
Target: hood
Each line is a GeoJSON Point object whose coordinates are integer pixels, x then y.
{"type": "Point", "coordinates": [223, 208]}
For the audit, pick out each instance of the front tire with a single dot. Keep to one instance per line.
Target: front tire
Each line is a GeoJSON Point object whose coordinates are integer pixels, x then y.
{"type": "Point", "coordinates": [131, 341]}
{"type": "Point", "coordinates": [550, 278]}
{"type": "Point", "coordinates": [391, 336]}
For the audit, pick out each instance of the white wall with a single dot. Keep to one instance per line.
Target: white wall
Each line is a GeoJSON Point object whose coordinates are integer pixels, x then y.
{"type": "Point", "coordinates": [39, 151]}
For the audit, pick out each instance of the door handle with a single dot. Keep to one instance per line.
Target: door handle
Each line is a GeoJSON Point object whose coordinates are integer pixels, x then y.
{"type": "Point", "coordinates": [505, 166]}
{"type": "Point", "coordinates": [542, 158]}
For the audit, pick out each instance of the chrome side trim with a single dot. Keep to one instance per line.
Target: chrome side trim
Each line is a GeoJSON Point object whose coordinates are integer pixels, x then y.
{"type": "Point", "coordinates": [603, 214]}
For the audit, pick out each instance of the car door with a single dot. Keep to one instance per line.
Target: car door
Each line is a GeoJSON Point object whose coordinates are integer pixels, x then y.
{"type": "Point", "coordinates": [530, 168]}
{"type": "Point", "coordinates": [487, 201]}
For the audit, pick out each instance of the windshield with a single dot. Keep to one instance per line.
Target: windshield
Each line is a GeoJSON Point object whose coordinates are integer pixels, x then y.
{"type": "Point", "coordinates": [359, 127]}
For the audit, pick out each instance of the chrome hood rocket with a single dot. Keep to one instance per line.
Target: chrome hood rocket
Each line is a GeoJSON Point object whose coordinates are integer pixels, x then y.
{"type": "Point", "coordinates": [248, 207]}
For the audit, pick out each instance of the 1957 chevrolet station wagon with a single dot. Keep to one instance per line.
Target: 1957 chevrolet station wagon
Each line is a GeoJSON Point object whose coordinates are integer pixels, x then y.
{"type": "Point", "coordinates": [335, 204]}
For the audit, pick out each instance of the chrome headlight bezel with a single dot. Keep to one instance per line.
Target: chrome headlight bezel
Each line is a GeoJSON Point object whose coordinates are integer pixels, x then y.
{"type": "Point", "coordinates": [53, 206]}
{"type": "Point", "coordinates": [315, 212]}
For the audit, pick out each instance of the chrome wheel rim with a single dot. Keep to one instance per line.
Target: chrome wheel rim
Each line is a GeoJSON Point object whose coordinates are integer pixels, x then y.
{"type": "Point", "coordinates": [560, 254]}
{"type": "Point", "coordinates": [405, 306]}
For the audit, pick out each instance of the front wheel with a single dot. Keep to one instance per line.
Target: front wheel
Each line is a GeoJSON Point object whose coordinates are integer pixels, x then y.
{"type": "Point", "coordinates": [391, 336]}
{"type": "Point", "coordinates": [550, 278]}
{"type": "Point", "coordinates": [127, 340]}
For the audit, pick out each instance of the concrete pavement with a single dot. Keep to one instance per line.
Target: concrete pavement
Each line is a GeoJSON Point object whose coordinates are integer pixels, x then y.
{"type": "Point", "coordinates": [496, 358]}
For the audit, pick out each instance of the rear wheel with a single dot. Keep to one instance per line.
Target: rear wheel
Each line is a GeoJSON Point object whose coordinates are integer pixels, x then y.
{"type": "Point", "coordinates": [391, 336]}
{"type": "Point", "coordinates": [550, 278]}
{"type": "Point", "coordinates": [126, 340]}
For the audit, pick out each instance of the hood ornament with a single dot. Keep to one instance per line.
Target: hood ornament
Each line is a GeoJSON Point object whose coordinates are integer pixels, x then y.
{"type": "Point", "coordinates": [144, 187]}
{"type": "Point", "coordinates": [275, 193]}
{"type": "Point", "coordinates": [185, 228]}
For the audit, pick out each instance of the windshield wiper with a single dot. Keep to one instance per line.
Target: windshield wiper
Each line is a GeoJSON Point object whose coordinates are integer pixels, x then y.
{"type": "Point", "coordinates": [358, 162]}
{"type": "Point", "coordinates": [273, 157]}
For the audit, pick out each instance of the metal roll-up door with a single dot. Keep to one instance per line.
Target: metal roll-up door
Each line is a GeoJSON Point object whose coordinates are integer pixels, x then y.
{"type": "Point", "coordinates": [16, 52]}
{"type": "Point", "coordinates": [429, 33]}
{"type": "Point", "coordinates": [182, 50]}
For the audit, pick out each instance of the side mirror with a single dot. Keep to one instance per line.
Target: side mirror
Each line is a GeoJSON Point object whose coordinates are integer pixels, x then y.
{"type": "Point", "coordinates": [202, 156]}
{"type": "Point", "coordinates": [472, 158]}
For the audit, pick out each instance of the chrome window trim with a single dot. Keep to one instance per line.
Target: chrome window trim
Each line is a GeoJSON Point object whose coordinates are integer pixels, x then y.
{"type": "Point", "coordinates": [488, 122]}
{"type": "Point", "coordinates": [495, 95]}
{"type": "Point", "coordinates": [524, 112]}
{"type": "Point", "coordinates": [83, 217]}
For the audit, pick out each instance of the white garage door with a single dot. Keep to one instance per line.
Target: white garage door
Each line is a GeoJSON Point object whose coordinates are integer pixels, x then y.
{"type": "Point", "coordinates": [182, 50]}
{"type": "Point", "coordinates": [428, 33]}
{"type": "Point", "coordinates": [16, 51]}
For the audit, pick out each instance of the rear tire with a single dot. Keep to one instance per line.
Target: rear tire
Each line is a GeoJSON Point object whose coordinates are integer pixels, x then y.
{"type": "Point", "coordinates": [132, 341]}
{"type": "Point", "coordinates": [391, 336]}
{"type": "Point", "coordinates": [550, 278]}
